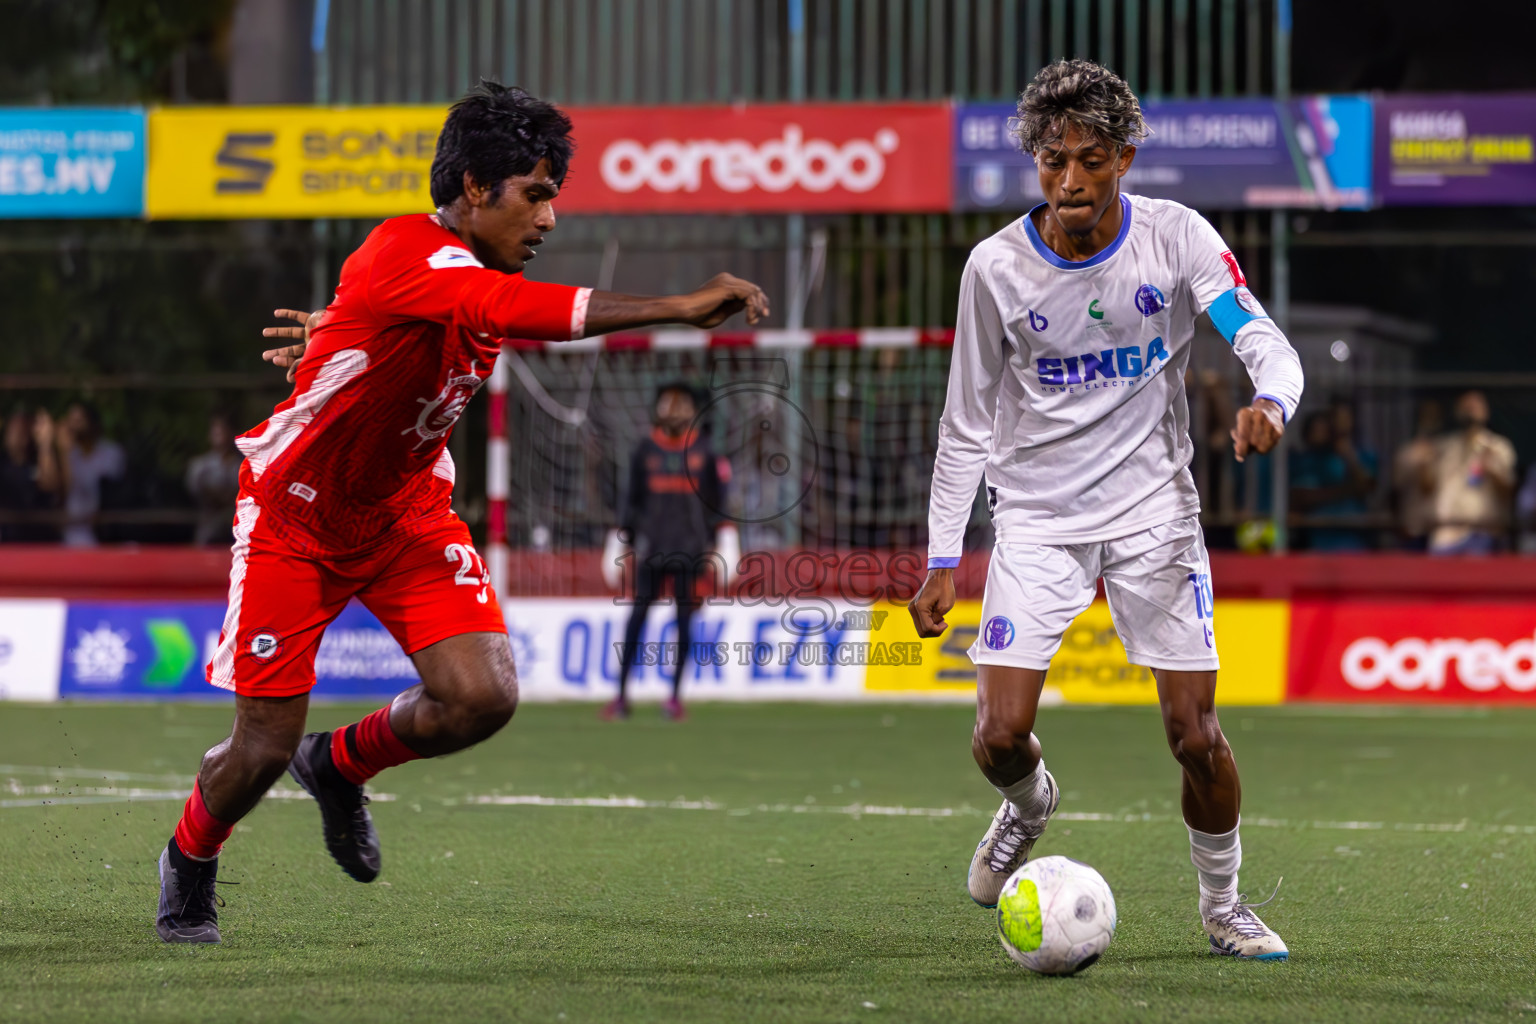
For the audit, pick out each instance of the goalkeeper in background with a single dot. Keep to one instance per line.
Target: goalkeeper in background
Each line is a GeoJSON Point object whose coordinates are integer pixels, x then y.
{"type": "Point", "coordinates": [673, 524]}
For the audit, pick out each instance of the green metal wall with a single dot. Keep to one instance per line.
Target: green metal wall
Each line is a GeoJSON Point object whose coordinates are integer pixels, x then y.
{"type": "Point", "coordinates": [694, 51]}
{"type": "Point", "coordinates": [879, 269]}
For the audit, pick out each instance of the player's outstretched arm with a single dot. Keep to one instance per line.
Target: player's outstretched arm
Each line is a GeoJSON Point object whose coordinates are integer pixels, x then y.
{"type": "Point", "coordinates": [933, 602]}
{"type": "Point", "coordinates": [1258, 429]}
{"type": "Point", "coordinates": [722, 297]}
{"type": "Point", "coordinates": [288, 356]}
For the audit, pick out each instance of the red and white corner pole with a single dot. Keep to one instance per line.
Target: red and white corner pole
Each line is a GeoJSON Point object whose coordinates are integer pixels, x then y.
{"type": "Point", "coordinates": [498, 454]}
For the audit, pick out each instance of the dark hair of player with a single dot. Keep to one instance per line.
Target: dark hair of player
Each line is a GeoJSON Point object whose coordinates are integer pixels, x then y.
{"type": "Point", "coordinates": [497, 132]}
{"type": "Point", "coordinates": [1083, 94]}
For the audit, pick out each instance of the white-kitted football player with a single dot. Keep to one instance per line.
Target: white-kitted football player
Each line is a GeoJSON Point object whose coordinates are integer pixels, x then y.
{"type": "Point", "coordinates": [1066, 392]}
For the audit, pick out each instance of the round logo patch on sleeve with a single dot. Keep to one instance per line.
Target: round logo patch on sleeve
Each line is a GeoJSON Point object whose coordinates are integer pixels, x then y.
{"type": "Point", "coordinates": [998, 633]}
{"type": "Point", "coordinates": [1246, 300]}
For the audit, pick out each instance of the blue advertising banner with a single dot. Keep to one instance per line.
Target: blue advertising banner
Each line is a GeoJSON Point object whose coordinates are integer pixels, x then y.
{"type": "Point", "coordinates": [122, 649]}
{"type": "Point", "coordinates": [1212, 154]}
{"type": "Point", "coordinates": [71, 163]}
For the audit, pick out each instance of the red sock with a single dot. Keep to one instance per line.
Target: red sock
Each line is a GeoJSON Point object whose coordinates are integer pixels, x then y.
{"type": "Point", "coordinates": [363, 749]}
{"type": "Point", "coordinates": [199, 834]}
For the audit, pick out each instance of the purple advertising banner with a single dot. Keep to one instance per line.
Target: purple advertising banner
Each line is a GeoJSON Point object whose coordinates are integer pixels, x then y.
{"type": "Point", "coordinates": [1455, 150]}
{"type": "Point", "coordinates": [1216, 154]}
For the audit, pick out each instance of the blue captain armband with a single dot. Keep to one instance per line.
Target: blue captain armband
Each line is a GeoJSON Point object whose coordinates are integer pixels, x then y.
{"type": "Point", "coordinates": [942, 563]}
{"type": "Point", "coordinates": [1235, 309]}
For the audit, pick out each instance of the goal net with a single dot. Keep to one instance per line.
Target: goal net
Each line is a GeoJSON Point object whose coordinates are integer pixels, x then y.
{"type": "Point", "coordinates": [830, 438]}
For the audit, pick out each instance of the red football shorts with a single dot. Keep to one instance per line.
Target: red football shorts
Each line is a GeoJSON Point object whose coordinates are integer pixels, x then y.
{"type": "Point", "coordinates": [428, 585]}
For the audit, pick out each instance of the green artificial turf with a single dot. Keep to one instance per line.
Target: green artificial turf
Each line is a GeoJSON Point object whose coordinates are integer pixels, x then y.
{"type": "Point", "coordinates": [1407, 841]}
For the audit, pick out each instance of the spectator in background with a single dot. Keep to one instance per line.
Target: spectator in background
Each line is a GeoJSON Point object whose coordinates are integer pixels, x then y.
{"type": "Point", "coordinates": [1410, 469]}
{"type": "Point", "coordinates": [1525, 512]}
{"type": "Point", "coordinates": [1332, 477]}
{"type": "Point", "coordinates": [88, 460]}
{"type": "Point", "coordinates": [213, 481]}
{"type": "Point", "coordinates": [1471, 479]}
{"type": "Point", "coordinates": [29, 477]}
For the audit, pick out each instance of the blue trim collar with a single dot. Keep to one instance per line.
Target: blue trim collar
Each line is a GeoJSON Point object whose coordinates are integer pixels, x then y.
{"type": "Point", "coordinates": [1047, 254]}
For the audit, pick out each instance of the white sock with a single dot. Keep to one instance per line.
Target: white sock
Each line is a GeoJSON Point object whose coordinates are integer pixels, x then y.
{"type": "Point", "coordinates": [1216, 860]}
{"type": "Point", "coordinates": [1030, 796]}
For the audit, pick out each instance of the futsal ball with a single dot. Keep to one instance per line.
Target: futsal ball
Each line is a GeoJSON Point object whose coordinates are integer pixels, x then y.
{"type": "Point", "coordinates": [1056, 915]}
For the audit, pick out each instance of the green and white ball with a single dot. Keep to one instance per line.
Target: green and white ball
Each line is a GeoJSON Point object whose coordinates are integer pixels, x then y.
{"type": "Point", "coordinates": [1056, 915]}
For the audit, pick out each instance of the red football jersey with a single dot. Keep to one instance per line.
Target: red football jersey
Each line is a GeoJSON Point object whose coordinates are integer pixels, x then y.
{"type": "Point", "coordinates": [414, 331]}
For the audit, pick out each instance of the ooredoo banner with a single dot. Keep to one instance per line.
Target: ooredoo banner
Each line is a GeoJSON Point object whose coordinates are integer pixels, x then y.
{"type": "Point", "coordinates": [376, 161]}
{"type": "Point", "coordinates": [849, 157]}
{"type": "Point", "coordinates": [1412, 652]}
{"type": "Point", "coordinates": [1456, 150]}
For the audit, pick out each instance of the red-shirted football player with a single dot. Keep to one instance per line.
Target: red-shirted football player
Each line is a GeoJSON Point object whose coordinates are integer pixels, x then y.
{"type": "Point", "coordinates": [346, 489]}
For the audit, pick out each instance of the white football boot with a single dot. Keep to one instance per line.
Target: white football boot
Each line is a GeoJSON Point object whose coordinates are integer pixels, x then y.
{"type": "Point", "coordinates": [1005, 848]}
{"type": "Point", "coordinates": [1237, 931]}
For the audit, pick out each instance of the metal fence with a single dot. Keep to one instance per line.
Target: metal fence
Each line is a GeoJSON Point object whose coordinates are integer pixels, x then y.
{"type": "Point", "coordinates": [862, 438]}
{"type": "Point", "coordinates": [721, 51]}
{"type": "Point", "coordinates": [878, 270]}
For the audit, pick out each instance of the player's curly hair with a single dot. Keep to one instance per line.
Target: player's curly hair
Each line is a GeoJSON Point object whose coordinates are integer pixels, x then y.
{"type": "Point", "coordinates": [1083, 94]}
{"type": "Point", "coordinates": [494, 133]}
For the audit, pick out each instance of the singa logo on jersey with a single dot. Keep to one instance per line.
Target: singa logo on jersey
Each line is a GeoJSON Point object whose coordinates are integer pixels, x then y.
{"type": "Point", "coordinates": [438, 415]}
{"type": "Point", "coordinates": [1125, 366]}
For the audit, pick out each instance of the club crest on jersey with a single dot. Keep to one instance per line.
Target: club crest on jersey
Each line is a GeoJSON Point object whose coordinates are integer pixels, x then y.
{"type": "Point", "coordinates": [1037, 321]}
{"type": "Point", "coordinates": [438, 415]}
{"type": "Point", "coordinates": [265, 645]}
{"type": "Point", "coordinates": [998, 633]}
{"type": "Point", "coordinates": [1149, 300]}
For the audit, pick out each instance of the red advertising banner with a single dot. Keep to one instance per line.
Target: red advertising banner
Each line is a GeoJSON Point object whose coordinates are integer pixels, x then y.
{"type": "Point", "coordinates": [780, 158]}
{"type": "Point", "coordinates": [1442, 653]}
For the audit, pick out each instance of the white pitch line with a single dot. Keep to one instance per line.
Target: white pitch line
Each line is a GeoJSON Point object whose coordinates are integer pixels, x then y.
{"type": "Point", "coordinates": [92, 773]}
{"type": "Point", "coordinates": [52, 796]}
{"type": "Point", "coordinates": [877, 810]}
{"type": "Point", "coordinates": [38, 796]}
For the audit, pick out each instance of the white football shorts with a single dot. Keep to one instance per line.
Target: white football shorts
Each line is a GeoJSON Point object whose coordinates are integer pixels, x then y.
{"type": "Point", "coordinates": [1158, 583]}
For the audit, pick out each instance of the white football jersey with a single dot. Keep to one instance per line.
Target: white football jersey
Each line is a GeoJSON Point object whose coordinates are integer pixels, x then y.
{"type": "Point", "coordinates": [1066, 386]}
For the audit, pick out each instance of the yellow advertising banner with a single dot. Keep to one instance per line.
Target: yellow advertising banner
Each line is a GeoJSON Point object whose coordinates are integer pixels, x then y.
{"type": "Point", "coordinates": [222, 162]}
{"type": "Point", "coordinates": [1091, 667]}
